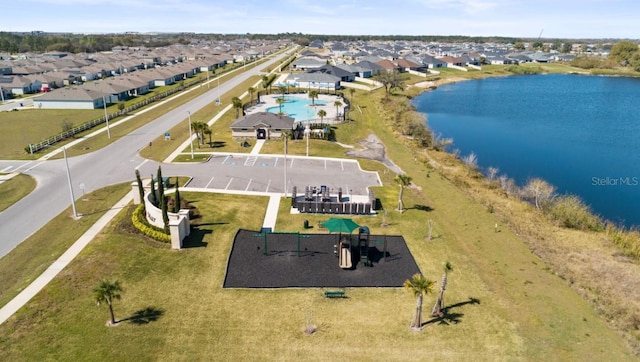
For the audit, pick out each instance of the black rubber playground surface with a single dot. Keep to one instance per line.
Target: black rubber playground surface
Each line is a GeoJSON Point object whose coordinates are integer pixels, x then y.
{"type": "Point", "coordinates": [317, 265]}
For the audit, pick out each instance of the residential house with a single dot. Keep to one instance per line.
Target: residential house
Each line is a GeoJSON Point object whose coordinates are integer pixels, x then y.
{"type": "Point", "coordinates": [71, 98]}
{"type": "Point", "coordinates": [344, 75]}
{"type": "Point", "coordinates": [317, 81]}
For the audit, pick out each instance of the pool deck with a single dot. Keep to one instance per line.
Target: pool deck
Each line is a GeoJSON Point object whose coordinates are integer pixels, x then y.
{"type": "Point", "coordinates": [269, 101]}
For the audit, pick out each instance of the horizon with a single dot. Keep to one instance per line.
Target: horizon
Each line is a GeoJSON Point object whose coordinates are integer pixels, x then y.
{"type": "Point", "coordinates": [592, 19]}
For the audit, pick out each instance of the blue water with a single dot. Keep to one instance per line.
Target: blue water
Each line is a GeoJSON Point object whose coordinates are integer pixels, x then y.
{"type": "Point", "coordinates": [297, 107]}
{"type": "Point", "coordinates": [580, 133]}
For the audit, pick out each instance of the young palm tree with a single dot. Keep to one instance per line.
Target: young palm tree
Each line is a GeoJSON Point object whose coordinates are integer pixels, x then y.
{"type": "Point", "coordinates": [237, 105]}
{"type": "Point", "coordinates": [351, 91]}
{"type": "Point", "coordinates": [207, 131]}
{"type": "Point", "coordinates": [437, 308]}
{"type": "Point", "coordinates": [280, 101]}
{"type": "Point", "coordinates": [197, 127]}
{"type": "Point", "coordinates": [282, 90]}
{"type": "Point", "coordinates": [337, 104]}
{"type": "Point", "coordinates": [106, 292]}
{"type": "Point", "coordinates": [418, 285]}
{"type": "Point", "coordinates": [265, 81]}
{"type": "Point", "coordinates": [251, 91]}
{"type": "Point", "coordinates": [313, 95]}
{"type": "Point", "coordinates": [321, 114]}
{"type": "Point", "coordinates": [402, 180]}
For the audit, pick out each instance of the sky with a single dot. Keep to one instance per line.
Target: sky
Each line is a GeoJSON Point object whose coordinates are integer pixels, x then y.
{"type": "Point", "coordinates": [509, 18]}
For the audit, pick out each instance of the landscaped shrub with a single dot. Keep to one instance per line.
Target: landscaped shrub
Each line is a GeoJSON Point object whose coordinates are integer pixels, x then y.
{"type": "Point", "coordinates": [139, 222]}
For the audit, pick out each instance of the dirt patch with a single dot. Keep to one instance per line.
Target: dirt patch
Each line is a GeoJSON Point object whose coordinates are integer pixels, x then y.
{"type": "Point", "coordinates": [373, 149]}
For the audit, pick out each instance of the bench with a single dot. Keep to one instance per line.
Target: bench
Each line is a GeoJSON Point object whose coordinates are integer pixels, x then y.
{"type": "Point", "coordinates": [334, 293]}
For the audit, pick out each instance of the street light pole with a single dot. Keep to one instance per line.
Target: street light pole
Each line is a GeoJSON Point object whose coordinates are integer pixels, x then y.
{"type": "Point", "coordinates": [73, 199]}
{"type": "Point", "coordinates": [106, 116]}
{"type": "Point", "coordinates": [285, 164]}
{"type": "Point", "coordinates": [190, 135]}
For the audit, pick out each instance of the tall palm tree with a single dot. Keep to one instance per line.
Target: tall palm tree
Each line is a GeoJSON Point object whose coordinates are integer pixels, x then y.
{"type": "Point", "coordinates": [280, 101]}
{"type": "Point", "coordinates": [313, 95]}
{"type": "Point", "coordinates": [351, 91]}
{"type": "Point", "coordinates": [282, 90]}
{"type": "Point", "coordinates": [251, 91]}
{"type": "Point", "coordinates": [418, 285]}
{"type": "Point", "coordinates": [237, 105]}
{"type": "Point", "coordinates": [437, 308]}
{"type": "Point", "coordinates": [106, 292]}
{"type": "Point", "coordinates": [403, 180]}
{"type": "Point", "coordinates": [207, 131]}
{"type": "Point", "coordinates": [265, 81]}
{"type": "Point", "coordinates": [197, 127]}
{"type": "Point", "coordinates": [337, 104]}
{"type": "Point", "coordinates": [321, 114]}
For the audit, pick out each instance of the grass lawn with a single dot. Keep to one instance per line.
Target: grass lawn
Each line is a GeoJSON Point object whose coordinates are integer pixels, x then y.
{"type": "Point", "coordinates": [504, 304]}
{"type": "Point", "coordinates": [34, 255]}
{"type": "Point", "coordinates": [12, 190]}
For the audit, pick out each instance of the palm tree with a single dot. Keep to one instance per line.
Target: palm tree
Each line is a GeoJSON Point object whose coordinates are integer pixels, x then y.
{"type": "Point", "coordinates": [321, 114]}
{"type": "Point", "coordinates": [282, 90]}
{"type": "Point", "coordinates": [313, 95]}
{"type": "Point", "coordinates": [251, 91]}
{"type": "Point", "coordinates": [280, 101]}
{"type": "Point", "coordinates": [265, 81]}
{"type": "Point", "coordinates": [197, 128]}
{"type": "Point", "coordinates": [337, 104]}
{"type": "Point", "coordinates": [402, 180]}
{"type": "Point", "coordinates": [237, 105]}
{"type": "Point", "coordinates": [106, 292]}
{"type": "Point", "coordinates": [207, 131]}
{"type": "Point", "coordinates": [418, 285]}
{"type": "Point", "coordinates": [437, 308]}
{"type": "Point", "coordinates": [351, 91]}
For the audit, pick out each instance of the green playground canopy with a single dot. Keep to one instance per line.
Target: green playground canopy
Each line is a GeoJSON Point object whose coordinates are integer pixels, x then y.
{"type": "Point", "coordinates": [341, 225]}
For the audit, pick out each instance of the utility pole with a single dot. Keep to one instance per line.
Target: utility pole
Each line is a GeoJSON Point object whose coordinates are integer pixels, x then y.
{"type": "Point", "coordinates": [106, 116]}
{"type": "Point", "coordinates": [190, 135]}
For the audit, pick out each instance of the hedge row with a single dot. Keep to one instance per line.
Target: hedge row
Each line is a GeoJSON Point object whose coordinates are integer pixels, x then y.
{"type": "Point", "coordinates": [140, 222]}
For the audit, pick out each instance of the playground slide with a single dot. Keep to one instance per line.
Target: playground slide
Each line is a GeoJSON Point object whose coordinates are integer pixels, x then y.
{"type": "Point", "coordinates": [345, 258]}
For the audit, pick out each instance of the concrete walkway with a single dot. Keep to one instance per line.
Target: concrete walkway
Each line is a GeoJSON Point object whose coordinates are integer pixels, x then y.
{"type": "Point", "coordinates": [40, 282]}
{"type": "Point", "coordinates": [256, 149]}
{"type": "Point", "coordinates": [271, 215]}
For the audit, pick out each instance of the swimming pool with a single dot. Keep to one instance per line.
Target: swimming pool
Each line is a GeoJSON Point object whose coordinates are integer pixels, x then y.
{"type": "Point", "coordinates": [298, 108]}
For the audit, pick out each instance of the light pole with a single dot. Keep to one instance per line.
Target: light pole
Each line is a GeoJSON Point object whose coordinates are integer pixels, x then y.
{"type": "Point", "coordinates": [73, 199]}
{"type": "Point", "coordinates": [190, 135]}
{"type": "Point", "coordinates": [106, 116]}
{"type": "Point", "coordinates": [285, 164]}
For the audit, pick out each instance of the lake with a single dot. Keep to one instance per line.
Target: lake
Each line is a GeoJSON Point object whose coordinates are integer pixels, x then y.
{"type": "Point", "coordinates": [580, 133]}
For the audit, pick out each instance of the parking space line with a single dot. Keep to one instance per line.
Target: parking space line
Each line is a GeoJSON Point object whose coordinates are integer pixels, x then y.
{"type": "Point", "coordinates": [291, 165]}
{"type": "Point", "coordinates": [342, 165]}
{"type": "Point", "coordinates": [249, 184]}
{"type": "Point", "coordinates": [268, 184]}
{"type": "Point", "coordinates": [325, 164]}
{"type": "Point", "coordinates": [6, 169]}
{"type": "Point", "coordinates": [275, 164]}
{"type": "Point", "coordinates": [226, 159]}
{"type": "Point", "coordinates": [229, 184]}
{"type": "Point", "coordinates": [209, 183]}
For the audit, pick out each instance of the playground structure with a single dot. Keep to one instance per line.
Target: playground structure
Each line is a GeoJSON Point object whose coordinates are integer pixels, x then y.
{"type": "Point", "coordinates": [315, 263]}
{"type": "Point", "coordinates": [322, 200]}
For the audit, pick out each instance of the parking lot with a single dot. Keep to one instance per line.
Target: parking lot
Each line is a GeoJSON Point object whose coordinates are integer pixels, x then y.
{"type": "Point", "coordinates": [267, 174]}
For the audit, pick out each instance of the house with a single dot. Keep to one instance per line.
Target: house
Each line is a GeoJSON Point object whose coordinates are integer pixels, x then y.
{"type": "Point", "coordinates": [261, 125]}
{"type": "Point", "coordinates": [71, 98]}
{"type": "Point", "coordinates": [433, 62]}
{"type": "Point", "coordinates": [19, 85]}
{"type": "Point", "coordinates": [452, 61]}
{"type": "Point", "coordinates": [406, 65]}
{"type": "Point", "coordinates": [388, 65]}
{"type": "Point", "coordinates": [307, 64]}
{"type": "Point", "coordinates": [344, 75]}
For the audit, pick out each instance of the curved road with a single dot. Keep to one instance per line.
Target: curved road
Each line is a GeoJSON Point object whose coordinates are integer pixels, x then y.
{"type": "Point", "coordinates": [116, 163]}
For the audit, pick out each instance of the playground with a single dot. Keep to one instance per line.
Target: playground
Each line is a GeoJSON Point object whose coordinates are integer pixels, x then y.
{"type": "Point", "coordinates": [289, 260]}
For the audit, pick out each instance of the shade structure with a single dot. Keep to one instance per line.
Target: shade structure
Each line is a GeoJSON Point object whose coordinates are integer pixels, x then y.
{"type": "Point", "coordinates": [341, 225]}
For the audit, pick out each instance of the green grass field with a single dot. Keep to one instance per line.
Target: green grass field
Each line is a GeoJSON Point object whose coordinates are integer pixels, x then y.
{"type": "Point", "coordinates": [12, 190]}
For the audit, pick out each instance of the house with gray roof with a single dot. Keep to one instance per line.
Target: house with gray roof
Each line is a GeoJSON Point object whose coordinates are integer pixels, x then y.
{"type": "Point", "coordinates": [307, 63]}
{"type": "Point", "coordinates": [261, 125]}
{"type": "Point", "coordinates": [344, 75]}
{"type": "Point", "coordinates": [71, 98]}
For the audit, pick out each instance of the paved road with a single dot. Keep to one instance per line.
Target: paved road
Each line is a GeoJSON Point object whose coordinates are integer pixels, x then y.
{"type": "Point", "coordinates": [116, 163]}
